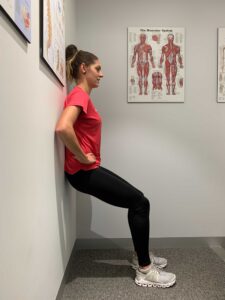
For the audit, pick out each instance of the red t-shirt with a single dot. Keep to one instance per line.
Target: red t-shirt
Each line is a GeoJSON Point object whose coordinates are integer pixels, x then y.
{"type": "Point", "coordinates": [87, 128]}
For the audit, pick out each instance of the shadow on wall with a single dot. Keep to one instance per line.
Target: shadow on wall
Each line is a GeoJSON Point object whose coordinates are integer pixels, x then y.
{"type": "Point", "coordinates": [84, 217]}
{"type": "Point", "coordinates": [85, 235]}
{"type": "Point", "coordinates": [66, 205]}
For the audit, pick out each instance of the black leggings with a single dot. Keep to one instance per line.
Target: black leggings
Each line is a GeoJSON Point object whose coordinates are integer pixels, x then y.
{"type": "Point", "coordinates": [114, 190]}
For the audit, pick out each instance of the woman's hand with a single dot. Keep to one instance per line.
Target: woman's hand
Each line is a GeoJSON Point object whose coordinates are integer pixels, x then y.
{"type": "Point", "coordinates": [88, 159]}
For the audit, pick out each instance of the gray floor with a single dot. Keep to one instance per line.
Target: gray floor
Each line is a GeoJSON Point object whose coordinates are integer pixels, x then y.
{"type": "Point", "coordinates": [106, 274]}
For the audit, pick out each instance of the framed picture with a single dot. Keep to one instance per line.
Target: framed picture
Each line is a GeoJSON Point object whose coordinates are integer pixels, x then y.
{"type": "Point", "coordinates": [52, 37]}
{"type": "Point", "coordinates": [221, 66]}
{"type": "Point", "coordinates": [18, 13]}
{"type": "Point", "coordinates": [156, 64]}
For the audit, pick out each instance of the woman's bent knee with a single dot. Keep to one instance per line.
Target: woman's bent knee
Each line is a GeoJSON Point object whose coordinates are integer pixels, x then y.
{"type": "Point", "coordinates": [145, 204]}
{"type": "Point", "coordinates": [142, 204]}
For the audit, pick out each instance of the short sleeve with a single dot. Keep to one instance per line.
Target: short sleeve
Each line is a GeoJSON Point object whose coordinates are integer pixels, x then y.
{"type": "Point", "coordinates": [77, 98]}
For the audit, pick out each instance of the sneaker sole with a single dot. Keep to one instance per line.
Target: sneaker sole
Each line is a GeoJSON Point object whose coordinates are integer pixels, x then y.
{"type": "Point", "coordinates": [154, 284]}
{"type": "Point", "coordinates": [135, 267]}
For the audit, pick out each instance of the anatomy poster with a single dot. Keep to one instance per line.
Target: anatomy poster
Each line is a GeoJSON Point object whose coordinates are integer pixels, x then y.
{"type": "Point", "coordinates": [221, 65]}
{"type": "Point", "coordinates": [19, 12]}
{"type": "Point", "coordinates": [156, 64]}
{"type": "Point", "coordinates": [53, 37]}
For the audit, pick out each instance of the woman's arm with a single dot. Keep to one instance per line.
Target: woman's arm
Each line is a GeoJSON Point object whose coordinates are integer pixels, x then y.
{"type": "Point", "coordinates": [64, 129]}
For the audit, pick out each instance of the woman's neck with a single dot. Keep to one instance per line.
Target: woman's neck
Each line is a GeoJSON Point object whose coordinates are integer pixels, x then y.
{"type": "Point", "coordinates": [84, 86]}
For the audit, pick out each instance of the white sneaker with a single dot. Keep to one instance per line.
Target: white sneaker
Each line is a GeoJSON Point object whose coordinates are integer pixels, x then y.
{"type": "Point", "coordinates": [159, 262]}
{"type": "Point", "coordinates": [154, 277]}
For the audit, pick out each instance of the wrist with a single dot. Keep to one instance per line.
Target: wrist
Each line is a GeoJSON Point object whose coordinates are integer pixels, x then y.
{"type": "Point", "coordinates": [82, 158]}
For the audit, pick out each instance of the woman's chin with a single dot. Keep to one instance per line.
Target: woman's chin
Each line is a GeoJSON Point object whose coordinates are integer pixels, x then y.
{"type": "Point", "coordinates": [96, 85]}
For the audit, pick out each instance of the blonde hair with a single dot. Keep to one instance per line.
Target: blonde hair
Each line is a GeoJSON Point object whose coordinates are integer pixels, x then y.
{"type": "Point", "coordinates": [69, 67]}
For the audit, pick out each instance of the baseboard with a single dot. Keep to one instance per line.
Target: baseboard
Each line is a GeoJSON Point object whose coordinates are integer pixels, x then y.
{"type": "Point", "coordinates": [171, 242]}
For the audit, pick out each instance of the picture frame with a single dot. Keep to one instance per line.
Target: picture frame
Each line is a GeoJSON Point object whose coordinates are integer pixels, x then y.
{"type": "Point", "coordinates": [156, 64]}
{"type": "Point", "coordinates": [18, 13]}
{"type": "Point", "coordinates": [52, 37]}
{"type": "Point", "coordinates": [221, 66]}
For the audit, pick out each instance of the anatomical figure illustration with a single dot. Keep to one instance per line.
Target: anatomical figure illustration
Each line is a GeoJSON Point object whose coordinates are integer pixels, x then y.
{"type": "Point", "coordinates": [49, 18]}
{"type": "Point", "coordinates": [156, 81]}
{"type": "Point", "coordinates": [54, 36]}
{"type": "Point", "coordinates": [25, 16]}
{"type": "Point", "coordinates": [221, 79]}
{"type": "Point", "coordinates": [171, 53]}
{"type": "Point", "coordinates": [143, 53]}
{"type": "Point", "coordinates": [155, 64]}
{"type": "Point", "coordinates": [221, 65]}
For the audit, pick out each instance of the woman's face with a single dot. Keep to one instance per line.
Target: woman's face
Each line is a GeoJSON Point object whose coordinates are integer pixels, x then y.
{"type": "Point", "coordinates": [94, 74]}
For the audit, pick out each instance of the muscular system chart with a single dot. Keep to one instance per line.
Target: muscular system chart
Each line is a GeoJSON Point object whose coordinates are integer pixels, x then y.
{"type": "Point", "coordinates": [155, 64]}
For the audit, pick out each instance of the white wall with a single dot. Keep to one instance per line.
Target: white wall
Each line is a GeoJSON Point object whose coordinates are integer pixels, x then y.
{"type": "Point", "coordinates": [173, 152]}
{"type": "Point", "coordinates": [37, 216]}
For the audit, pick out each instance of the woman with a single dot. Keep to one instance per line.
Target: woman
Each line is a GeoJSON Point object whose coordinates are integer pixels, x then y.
{"type": "Point", "coordinates": [79, 128]}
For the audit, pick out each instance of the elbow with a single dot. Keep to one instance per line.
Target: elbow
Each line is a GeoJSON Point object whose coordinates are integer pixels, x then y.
{"type": "Point", "coordinates": [60, 130]}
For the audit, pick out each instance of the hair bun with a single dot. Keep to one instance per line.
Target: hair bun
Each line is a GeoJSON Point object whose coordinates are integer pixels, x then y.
{"type": "Point", "coordinates": [71, 50]}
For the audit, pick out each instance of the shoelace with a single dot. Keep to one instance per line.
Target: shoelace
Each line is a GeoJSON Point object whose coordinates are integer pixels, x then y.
{"type": "Point", "coordinates": [155, 270]}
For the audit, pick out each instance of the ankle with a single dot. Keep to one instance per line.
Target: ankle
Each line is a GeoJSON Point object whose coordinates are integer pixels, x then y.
{"type": "Point", "coordinates": [144, 268]}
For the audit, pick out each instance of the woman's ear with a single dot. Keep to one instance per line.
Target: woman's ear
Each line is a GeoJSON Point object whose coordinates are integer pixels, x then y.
{"type": "Point", "coordinates": [83, 68]}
